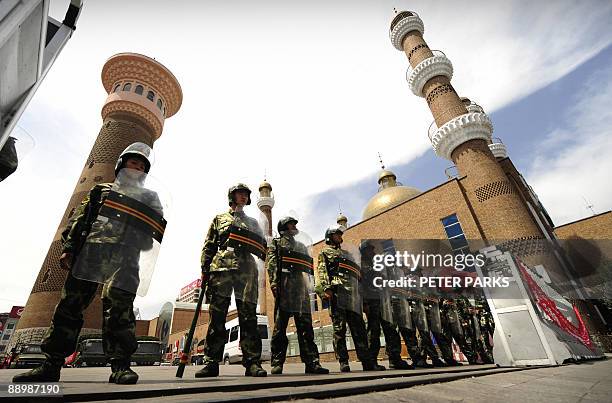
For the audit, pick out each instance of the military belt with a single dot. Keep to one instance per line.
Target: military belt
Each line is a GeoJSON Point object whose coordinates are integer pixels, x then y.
{"type": "Point", "coordinates": [242, 238]}
{"type": "Point", "coordinates": [296, 261]}
{"type": "Point", "coordinates": [349, 267]}
{"type": "Point", "coordinates": [120, 207]}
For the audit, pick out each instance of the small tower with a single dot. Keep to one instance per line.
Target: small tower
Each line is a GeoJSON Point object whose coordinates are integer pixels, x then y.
{"type": "Point", "coordinates": [265, 202]}
{"type": "Point", "coordinates": [142, 94]}
{"type": "Point", "coordinates": [342, 220]}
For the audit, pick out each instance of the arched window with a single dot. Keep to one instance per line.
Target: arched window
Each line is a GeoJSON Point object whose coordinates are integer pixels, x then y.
{"type": "Point", "coordinates": [139, 89]}
{"type": "Point", "coordinates": [159, 104]}
{"type": "Point", "coordinates": [127, 87]}
{"type": "Point", "coordinates": [117, 87]}
{"type": "Point", "coordinates": [150, 96]}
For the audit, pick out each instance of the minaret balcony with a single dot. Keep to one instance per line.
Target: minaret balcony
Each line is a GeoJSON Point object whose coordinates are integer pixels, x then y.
{"type": "Point", "coordinates": [470, 126]}
{"type": "Point", "coordinates": [498, 148]}
{"type": "Point", "coordinates": [403, 23]}
{"type": "Point", "coordinates": [437, 65]}
{"type": "Point", "coordinates": [265, 202]}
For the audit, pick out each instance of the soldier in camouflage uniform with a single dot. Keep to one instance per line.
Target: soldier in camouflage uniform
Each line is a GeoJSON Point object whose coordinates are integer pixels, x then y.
{"type": "Point", "coordinates": [471, 327]}
{"type": "Point", "coordinates": [225, 269]}
{"type": "Point", "coordinates": [454, 325]}
{"type": "Point", "coordinates": [331, 278]}
{"type": "Point", "coordinates": [8, 158]}
{"type": "Point", "coordinates": [292, 298]}
{"type": "Point", "coordinates": [487, 326]}
{"type": "Point", "coordinates": [119, 323]}
{"type": "Point", "coordinates": [373, 310]}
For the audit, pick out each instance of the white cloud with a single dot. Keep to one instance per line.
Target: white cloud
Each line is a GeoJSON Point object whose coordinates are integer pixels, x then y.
{"type": "Point", "coordinates": [574, 161]}
{"type": "Point", "coordinates": [290, 89]}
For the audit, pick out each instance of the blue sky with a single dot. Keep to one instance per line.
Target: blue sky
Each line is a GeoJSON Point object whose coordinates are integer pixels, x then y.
{"type": "Point", "coordinates": [296, 89]}
{"type": "Point", "coordinates": [524, 126]}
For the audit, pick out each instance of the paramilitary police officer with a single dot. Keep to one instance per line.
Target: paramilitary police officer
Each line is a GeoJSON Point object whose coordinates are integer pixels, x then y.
{"type": "Point", "coordinates": [372, 308]}
{"type": "Point", "coordinates": [290, 272]}
{"type": "Point", "coordinates": [335, 284]}
{"type": "Point", "coordinates": [118, 328]}
{"type": "Point", "coordinates": [225, 268]}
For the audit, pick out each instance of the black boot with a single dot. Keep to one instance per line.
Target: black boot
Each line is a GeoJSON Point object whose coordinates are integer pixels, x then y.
{"type": "Point", "coordinates": [453, 363]}
{"type": "Point", "coordinates": [210, 369]}
{"type": "Point", "coordinates": [122, 374]}
{"type": "Point", "coordinates": [255, 369]}
{"type": "Point", "coordinates": [47, 372]}
{"type": "Point", "coordinates": [277, 369]}
{"type": "Point", "coordinates": [398, 363]}
{"type": "Point", "coordinates": [437, 362]}
{"type": "Point", "coordinates": [421, 363]}
{"type": "Point", "coordinates": [372, 366]}
{"type": "Point", "coordinates": [316, 368]}
{"type": "Point", "coordinates": [344, 366]}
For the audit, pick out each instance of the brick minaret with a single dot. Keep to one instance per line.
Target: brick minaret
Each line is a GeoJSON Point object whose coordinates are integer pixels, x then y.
{"type": "Point", "coordinates": [462, 136]}
{"type": "Point", "coordinates": [142, 93]}
{"type": "Point", "coordinates": [265, 202]}
{"type": "Point", "coordinates": [462, 132]}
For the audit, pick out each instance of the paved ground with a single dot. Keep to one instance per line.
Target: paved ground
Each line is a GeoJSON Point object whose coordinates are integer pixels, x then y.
{"type": "Point", "coordinates": [589, 382]}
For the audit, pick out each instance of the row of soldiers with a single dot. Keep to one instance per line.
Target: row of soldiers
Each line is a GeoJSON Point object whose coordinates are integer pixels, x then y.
{"type": "Point", "coordinates": [111, 241]}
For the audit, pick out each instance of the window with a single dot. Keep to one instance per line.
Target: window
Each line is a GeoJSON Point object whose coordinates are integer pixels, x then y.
{"type": "Point", "coordinates": [234, 333]}
{"type": "Point", "coordinates": [10, 326]}
{"type": "Point", "coordinates": [139, 89]}
{"type": "Point", "coordinates": [127, 87]}
{"type": "Point", "coordinates": [150, 96]}
{"type": "Point", "coordinates": [6, 337]}
{"type": "Point", "coordinates": [455, 235]}
{"type": "Point", "coordinates": [117, 87]}
{"type": "Point", "coordinates": [159, 104]}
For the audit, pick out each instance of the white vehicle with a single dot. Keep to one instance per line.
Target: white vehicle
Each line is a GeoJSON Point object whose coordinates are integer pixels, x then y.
{"type": "Point", "coordinates": [232, 353]}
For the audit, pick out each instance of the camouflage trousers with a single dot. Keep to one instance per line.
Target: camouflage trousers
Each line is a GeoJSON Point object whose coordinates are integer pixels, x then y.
{"type": "Point", "coordinates": [118, 326]}
{"type": "Point", "coordinates": [309, 353]}
{"type": "Point", "coordinates": [452, 329]}
{"type": "Point", "coordinates": [342, 317]}
{"type": "Point", "coordinates": [219, 292]}
{"type": "Point", "coordinates": [392, 338]}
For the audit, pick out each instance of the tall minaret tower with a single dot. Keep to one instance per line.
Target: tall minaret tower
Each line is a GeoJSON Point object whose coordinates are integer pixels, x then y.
{"type": "Point", "coordinates": [342, 220]}
{"type": "Point", "coordinates": [142, 93]}
{"type": "Point", "coordinates": [462, 134]}
{"type": "Point", "coordinates": [265, 202]}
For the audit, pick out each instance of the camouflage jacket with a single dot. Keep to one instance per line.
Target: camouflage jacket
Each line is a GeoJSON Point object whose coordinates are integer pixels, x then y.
{"type": "Point", "coordinates": [328, 272]}
{"type": "Point", "coordinates": [215, 255]}
{"type": "Point", "coordinates": [78, 228]}
{"type": "Point", "coordinates": [274, 252]}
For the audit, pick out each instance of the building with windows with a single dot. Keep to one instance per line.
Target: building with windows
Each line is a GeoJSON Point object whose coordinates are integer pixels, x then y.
{"type": "Point", "coordinates": [8, 323]}
{"type": "Point", "coordinates": [191, 292]}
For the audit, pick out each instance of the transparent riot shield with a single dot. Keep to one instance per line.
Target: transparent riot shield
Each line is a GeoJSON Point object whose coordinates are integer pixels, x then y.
{"type": "Point", "coordinates": [348, 295]}
{"type": "Point", "coordinates": [452, 316]}
{"type": "Point", "coordinates": [474, 319]}
{"type": "Point", "coordinates": [395, 299]}
{"type": "Point", "coordinates": [246, 245]}
{"type": "Point", "coordinates": [419, 315]}
{"type": "Point", "coordinates": [122, 246]}
{"type": "Point", "coordinates": [296, 277]}
{"type": "Point", "coordinates": [16, 146]}
{"type": "Point", "coordinates": [433, 316]}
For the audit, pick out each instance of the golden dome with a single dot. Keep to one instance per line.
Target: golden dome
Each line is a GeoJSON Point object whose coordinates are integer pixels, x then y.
{"type": "Point", "coordinates": [341, 219]}
{"type": "Point", "coordinates": [265, 184]}
{"type": "Point", "coordinates": [389, 195]}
